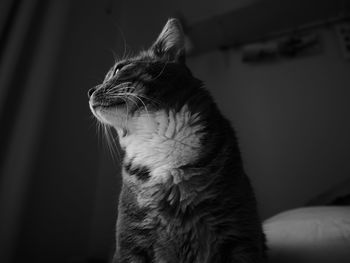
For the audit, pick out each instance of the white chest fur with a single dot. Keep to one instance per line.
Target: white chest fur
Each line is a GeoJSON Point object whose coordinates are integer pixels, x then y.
{"type": "Point", "coordinates": [162, 140]}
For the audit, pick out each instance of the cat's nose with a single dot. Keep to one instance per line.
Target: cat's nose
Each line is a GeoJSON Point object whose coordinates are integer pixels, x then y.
{"type": "Point", "coordinates": [91, 91]}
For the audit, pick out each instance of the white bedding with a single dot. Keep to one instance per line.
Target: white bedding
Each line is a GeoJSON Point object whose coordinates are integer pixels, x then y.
{"type": "Point", "coordinates": [312, 234]}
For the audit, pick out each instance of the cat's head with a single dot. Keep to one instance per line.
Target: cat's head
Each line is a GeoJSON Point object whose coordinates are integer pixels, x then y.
{"type": "Point", "coordinates": [153, 80]}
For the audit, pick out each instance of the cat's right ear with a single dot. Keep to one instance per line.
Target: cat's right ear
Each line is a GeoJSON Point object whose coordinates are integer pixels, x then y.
{"type": "Point", "coordinates": [170, 44]}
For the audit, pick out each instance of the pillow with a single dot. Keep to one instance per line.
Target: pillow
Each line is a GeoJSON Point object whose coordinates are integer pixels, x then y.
{"type": "Point", "coordinates": [308, 235]}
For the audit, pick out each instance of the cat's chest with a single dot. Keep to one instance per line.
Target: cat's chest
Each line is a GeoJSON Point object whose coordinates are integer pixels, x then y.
{"type": "Point", "coordinates": [163, 140]}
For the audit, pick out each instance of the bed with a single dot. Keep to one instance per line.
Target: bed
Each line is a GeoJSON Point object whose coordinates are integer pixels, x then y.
{"type": "Point", "coordinates": [318, 232]}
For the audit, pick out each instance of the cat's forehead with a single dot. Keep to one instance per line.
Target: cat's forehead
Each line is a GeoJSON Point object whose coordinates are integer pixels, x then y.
{"type": "Point", "coordinates": [142, 56]}
{"type": "Point", "coordinates": [141, 61]}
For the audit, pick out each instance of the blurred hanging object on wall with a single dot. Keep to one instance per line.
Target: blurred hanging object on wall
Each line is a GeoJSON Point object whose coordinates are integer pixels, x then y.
{"type": "Point", "coordinates": [299, 45]}
{"type": "Point", "coordinates": [295, 45]}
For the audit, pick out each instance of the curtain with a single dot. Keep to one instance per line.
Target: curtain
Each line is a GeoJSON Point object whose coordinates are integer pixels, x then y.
{"type": "Point", "coordinates": [30, 33]}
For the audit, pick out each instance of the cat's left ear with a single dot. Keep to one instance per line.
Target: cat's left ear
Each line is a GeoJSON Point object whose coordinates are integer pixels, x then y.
{"type": "Point", "coordinates": [170, 44]}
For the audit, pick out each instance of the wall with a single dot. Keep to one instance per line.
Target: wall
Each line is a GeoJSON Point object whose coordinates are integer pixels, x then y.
{"type": "Point", "coordinates": [292, 119]}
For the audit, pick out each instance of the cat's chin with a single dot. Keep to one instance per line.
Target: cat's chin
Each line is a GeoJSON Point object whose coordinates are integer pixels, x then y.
{"type": "Point", "coordinates": [115, 116]}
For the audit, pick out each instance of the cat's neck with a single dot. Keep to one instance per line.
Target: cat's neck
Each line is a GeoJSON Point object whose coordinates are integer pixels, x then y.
{"type": "Point", "coordinates": [165, 139]}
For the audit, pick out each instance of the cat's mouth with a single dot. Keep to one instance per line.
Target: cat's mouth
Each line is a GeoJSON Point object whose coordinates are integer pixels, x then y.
{"type": "Point", "coordinates": [119, 102]}
{"type": "Point", "coordinates": [110, 113]}
{"type": "Point", "coordinates": [114, 106]}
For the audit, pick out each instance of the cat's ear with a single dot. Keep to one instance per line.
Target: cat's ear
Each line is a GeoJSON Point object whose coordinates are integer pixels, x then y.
{"type": "Point", "coordinates": [170, 44]}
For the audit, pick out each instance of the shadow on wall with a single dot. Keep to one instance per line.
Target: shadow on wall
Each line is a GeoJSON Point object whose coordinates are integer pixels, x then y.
{"type": "Point", "coordinates": [54, 173]}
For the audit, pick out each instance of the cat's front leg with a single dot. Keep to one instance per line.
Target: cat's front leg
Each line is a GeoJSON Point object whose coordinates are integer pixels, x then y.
{"type": "Point", "coordinates": [128, 257]}
{"type": "Point", "coordinates": [247, 255]}
{"type": "Point", "coordinates": [133, 246]}
{"type": "Point", "coordinates": [130, 260]}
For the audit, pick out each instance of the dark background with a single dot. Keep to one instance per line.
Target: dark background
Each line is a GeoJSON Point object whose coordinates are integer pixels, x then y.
{"type": "Point", "coordinates": [58, 182]}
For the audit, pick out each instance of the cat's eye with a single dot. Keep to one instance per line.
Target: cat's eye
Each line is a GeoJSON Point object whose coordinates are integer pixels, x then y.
{"type": "Point", "coordinates": [117, 69]}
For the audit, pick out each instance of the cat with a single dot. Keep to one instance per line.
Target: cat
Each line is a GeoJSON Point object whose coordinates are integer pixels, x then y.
{"type": "Point", "coordinates": [185, 197]}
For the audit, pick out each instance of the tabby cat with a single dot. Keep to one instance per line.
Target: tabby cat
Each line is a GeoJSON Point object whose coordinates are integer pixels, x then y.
{"type": "Point", "coordinates": [185, 197]}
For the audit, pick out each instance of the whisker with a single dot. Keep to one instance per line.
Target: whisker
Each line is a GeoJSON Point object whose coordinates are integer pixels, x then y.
{"type": "Point", "coordinates": [153, 101]}
{"type": "Point", "coordinates": [135, 96]}
{"type": "Point", "coordinates": [130, 96]}
{"type": "Point", "coordinates": [125, 45]}
{"type": "Point", "coordinates": [108, 141]}
{"type": "Point", "coordinates": [127, 115]}
{"type": "Point", "coordinates": [125, 85]}
{"type": "Point", "coordinates": [112, 146]}
{"type": "Point", "coordinates": [116, 58]}
{"type": "Point", "coordinates": [98, 130]}
{"type": "Point", "coordinates": [157, 102]}
{"type": "Point", "coordinates": [116, 147]}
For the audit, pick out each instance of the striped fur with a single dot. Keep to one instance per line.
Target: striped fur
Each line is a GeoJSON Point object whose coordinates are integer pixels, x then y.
{"type": "Point", "coordinates": [185, 196]}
